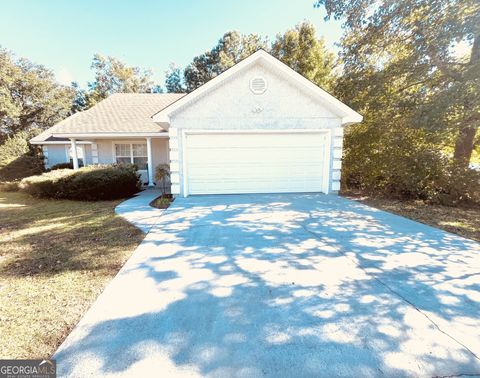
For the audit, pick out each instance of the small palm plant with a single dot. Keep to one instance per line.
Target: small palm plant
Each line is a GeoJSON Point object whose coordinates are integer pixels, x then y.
{"type": "Point", "coordinates": [162, 174]}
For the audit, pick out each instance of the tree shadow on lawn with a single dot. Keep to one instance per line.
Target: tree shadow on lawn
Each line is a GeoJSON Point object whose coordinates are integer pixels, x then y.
{"type": "Point", "coordinates": [45, 237]}
{"type": "Point", "coordinates": [285, 285]}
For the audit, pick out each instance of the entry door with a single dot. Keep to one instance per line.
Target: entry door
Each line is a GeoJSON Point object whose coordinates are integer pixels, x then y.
{"type": "Point", "coordinates": [256, 162]}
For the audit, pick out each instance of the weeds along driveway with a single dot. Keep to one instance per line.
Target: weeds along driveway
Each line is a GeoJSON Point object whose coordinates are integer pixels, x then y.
{"type": "Point", "coordinates": [285, 285]}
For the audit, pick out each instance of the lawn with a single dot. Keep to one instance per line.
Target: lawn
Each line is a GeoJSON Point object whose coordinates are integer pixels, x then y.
{"type": "Point", "coordinates": [55, 259]}
{"type": "Point", "coordinates": [458, 220]}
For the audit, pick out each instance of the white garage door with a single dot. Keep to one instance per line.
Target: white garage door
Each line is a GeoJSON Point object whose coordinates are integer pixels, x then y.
{"type": "Point", "coordinates": [256, 163]}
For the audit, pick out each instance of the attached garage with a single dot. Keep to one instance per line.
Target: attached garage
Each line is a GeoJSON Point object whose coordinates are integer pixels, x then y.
{"type": "Point", "coordinates": [258, 127]}
{"type": "Point", "coordinates": [261, 162]}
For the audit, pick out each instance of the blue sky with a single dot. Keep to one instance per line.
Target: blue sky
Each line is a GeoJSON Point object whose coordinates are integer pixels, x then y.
{"type": "Point", "coordinates": [64, 35]}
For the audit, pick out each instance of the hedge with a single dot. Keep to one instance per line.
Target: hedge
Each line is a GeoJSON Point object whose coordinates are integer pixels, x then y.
{"type": "Point", "coordinates": [62, 166]}
{"type": "Point", "coordinates": [92, 183]}
{"type": "Point", "coordinates": [18, 159]}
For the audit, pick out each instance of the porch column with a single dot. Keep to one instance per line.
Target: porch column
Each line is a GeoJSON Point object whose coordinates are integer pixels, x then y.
{"type": "Point", "coordinates": [150, 161]}
{"type": "Point", "coordinates": [74, 153]}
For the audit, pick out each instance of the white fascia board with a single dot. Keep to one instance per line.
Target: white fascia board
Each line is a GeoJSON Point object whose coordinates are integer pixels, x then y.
{"type": "Point", "coordinates": [344, 111]}
{"type": "Point", "coordinates": [111, 135]}
{"type": "Point", "coordinates": [60, 142]}
{"type": "Point", "coordinates": [351, 119]}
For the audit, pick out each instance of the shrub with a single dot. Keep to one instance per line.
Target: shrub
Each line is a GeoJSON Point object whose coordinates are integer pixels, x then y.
{"type": "Point", "coordinates": [14, 146]}
{"type": "Point", "coordinates": [402, 164]}
{"type": "Point", "coordinates": [23, 166]}
{"type": "Point", "coordinates": [9, 186]}
{"type": "Point", "coordinates": [68, 165]}
{"type": "Point", "coordinates": [92, 183]}
{"type": "Point", "coordinates": [162, 174]}
{"type": "Point", "coordinates": [18, 159]}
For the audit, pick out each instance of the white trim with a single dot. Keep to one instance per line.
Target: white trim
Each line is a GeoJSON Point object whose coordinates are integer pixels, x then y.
{"type": "Point", "coordinates": [75, 154]}
{"type": "Point", "coordinates": [45, 156]}
{"type": "Point", "coordinates": [60, 142]}
{"type": "Point", "coordinates": [112, 135]}
{"type": "Point", "coordinates": [67, 153]}
{"type": "Point", "coordinates": [348, 115]}
{"type": "Point", "coordinates": [184, 163]}
{"type": "Point", "coordinates": [327, 149]}
{"type": "Point", "coordinates": [130, 142]}
{"type": "Point", "coordinates": [94, 152]}
{"type": "Point", "coordinates": [149, 161]}
{"type": "Point", "coordinates": [255, 131]}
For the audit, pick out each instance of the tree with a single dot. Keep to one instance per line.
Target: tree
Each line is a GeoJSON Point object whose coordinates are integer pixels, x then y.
{"type": "Point", "coordinates": [30, 97]}
{"type": "Point", "coordinates": [114, 76]}
{"type": "Point", "coordinates": [301, 50]}
{"type": "Point", "coordinates": [230, 49]}
{"type": "Point", "coordinates": [174, 80]}
{"type": "Point", "coordinates": [79, 102]}
{"type": "Point", "coordinates": [447, 85]}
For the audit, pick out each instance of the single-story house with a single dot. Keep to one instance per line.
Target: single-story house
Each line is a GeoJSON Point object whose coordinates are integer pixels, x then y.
{"type": "Point", "coordinates": [258, 127]}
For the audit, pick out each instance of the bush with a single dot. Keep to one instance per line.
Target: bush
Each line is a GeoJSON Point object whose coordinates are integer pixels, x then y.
{"type": "Point", "coordinates": [18, 159]}
{"type": "Point", "coordinates": [162, 174]}
{"type": "Point", "coordinates": [9, 186]}
{"type": "Point", "coordinates": [92, 183]}
{"type": "Point", "coordinates": [401, 164]}
{"type": "Point", "coordinates": [62, 166]}
{"type": "Point", "coordinates": [13, 147]}
{"type": "Point", "coordinates": [23, 166]}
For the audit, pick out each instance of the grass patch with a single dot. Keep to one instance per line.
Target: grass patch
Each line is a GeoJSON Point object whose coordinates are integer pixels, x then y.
{"type": "Point", "coordinates": [56, 256]}
{"type": "Point", "coordinates": [458, 220]}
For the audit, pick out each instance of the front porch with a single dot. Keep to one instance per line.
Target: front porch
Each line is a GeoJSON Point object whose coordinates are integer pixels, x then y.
{"type": "Point", "coordinates": [146, 153]}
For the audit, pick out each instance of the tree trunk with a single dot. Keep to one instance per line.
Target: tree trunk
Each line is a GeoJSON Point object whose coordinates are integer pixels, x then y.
{"type": "Point", "coordinates": [464, 146]}
{"type": "Point", "coordinates": [466, 136]}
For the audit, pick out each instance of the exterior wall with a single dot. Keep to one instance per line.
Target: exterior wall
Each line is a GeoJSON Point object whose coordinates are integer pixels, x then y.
{"type": "Point", "coordinates": [58, 153]}
{"type": "Point", "coordinates": [101, 152]}
{"type": "Point", "coordinates": [104, 148]}
{"type": "Point", "coordinates": [55, 154]}
{"type": "Point", "coordinates": [232, 106]}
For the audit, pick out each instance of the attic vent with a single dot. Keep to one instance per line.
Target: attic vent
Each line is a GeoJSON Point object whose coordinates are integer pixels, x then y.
{"type": "Point", "coordinates": [258, 85]}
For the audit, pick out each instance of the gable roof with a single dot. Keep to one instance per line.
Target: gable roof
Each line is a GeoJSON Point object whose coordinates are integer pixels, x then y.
{"type": "Point", "coordinates": [348, 115]}
{"type": "Point", "coordinates": [118, 113]}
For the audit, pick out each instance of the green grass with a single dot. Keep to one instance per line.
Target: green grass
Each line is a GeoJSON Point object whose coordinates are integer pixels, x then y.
{"type": "Point", "coordinates": [55, 259]}
{"type": "Point", "coordinates": [458, 220]}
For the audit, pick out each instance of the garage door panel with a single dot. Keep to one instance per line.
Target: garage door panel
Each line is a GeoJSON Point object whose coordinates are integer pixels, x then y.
{"type": "Point", "coordinates": [255, 163]}
{"type": "Point", "coordinates": [254, 140]}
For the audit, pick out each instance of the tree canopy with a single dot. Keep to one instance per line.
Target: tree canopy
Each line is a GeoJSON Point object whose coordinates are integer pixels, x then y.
{"type": "Point", "coordinates": [298, 47]}
{"type": "Point", "coordinates": [30, 97]}
{"type": "Point", "coordinates": [303, 51]}
{"type": "Point", "coordinates": [114, 76]}
{"type": "Point", "coordinates": [409, 50]}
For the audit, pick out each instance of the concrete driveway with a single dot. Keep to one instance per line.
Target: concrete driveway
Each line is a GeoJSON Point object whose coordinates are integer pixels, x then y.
{"type": "Point", "coordinates": [285, 286]}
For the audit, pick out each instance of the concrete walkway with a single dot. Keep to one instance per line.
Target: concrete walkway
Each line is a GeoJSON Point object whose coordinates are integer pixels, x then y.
{"type": "Point", "coordinates": [284, 286]}
{"type": "Point", "coordinates": [137, 210]}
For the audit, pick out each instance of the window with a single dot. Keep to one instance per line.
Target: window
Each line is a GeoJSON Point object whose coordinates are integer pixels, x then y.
{"type": "Point", "coordinates": [140, 155]}
{"type": "Point", "coordinates": [132, 153]}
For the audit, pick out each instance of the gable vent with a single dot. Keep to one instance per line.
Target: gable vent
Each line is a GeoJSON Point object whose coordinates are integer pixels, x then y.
{"type": "Point", "coordinates": [258, 85]}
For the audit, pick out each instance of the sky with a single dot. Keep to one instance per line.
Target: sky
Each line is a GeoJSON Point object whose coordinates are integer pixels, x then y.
{"type": "Point", "coordinates": [64, 35]}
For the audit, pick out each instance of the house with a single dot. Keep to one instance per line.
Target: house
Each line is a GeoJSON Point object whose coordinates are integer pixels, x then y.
{"type": "Point", "coordinates": [258, 127]}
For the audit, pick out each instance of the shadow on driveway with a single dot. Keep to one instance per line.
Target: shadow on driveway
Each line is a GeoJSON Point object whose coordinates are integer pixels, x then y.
{"type": "Point", "coordinates": [285, 285]}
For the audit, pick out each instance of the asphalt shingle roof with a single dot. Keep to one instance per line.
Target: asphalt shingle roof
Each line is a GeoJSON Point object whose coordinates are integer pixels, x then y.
{"type": "Point", "coordinates": [120, 112]}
